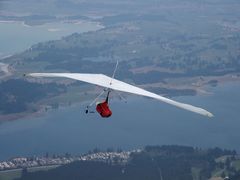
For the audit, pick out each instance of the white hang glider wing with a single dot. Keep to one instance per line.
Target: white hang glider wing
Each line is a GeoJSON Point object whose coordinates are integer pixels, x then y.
{"type": "Point", "coordinates": [111, 83]}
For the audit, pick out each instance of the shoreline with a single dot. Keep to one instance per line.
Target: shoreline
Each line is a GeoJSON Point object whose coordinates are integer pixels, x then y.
{"type": "Point", "coordinates": [49, 27]}
{"type": "Point", "coordinates": [5, 69]}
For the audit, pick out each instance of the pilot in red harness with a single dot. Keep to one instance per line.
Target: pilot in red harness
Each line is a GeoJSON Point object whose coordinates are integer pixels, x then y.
{"type": "Point", "coordinates": [103, 108]}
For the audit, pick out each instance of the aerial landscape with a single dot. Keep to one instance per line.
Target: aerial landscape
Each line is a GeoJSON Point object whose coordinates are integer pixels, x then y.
{"type": "Point", "coordinates": [188, 51]}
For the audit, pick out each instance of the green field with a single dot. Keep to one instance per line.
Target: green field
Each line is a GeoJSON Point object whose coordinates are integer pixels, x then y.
{"type": "Point", "coordinates": [17, 173]}
{"type": "Point", "coordinates": [10, 174]}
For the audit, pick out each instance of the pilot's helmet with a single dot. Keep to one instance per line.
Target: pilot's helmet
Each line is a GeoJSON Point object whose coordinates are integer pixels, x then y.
{"type": "Point", "coordinates": [97, 103]}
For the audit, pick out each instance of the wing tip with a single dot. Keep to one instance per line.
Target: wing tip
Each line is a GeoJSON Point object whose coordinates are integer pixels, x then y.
{"type": "Point", "coordinates": [210, 115]}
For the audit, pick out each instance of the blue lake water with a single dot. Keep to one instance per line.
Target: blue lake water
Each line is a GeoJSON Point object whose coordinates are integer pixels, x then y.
{"type": "Point", "coordinates": [134, 124]}
{"type": "Point", "coordinates": [16, 37]}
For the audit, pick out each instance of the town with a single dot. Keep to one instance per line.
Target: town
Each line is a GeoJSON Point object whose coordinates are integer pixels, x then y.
{"type": "Point", "coordinates": [119, 157]}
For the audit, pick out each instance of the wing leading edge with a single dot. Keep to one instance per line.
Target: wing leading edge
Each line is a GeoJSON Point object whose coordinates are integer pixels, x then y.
{"type": "Point", "coordinates": [108, 82]}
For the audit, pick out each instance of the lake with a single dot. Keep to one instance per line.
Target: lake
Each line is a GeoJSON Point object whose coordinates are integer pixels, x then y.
{"type": "Point", "coordinates": [18, 37]}
{"type": "Point", "coordinates": [134, 124]}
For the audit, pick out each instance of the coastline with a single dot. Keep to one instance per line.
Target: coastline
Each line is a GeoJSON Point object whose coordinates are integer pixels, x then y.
{"type": "Point", "coordinates": [47, 30]}
{"type": "Point", "coordinates": [5, 70]}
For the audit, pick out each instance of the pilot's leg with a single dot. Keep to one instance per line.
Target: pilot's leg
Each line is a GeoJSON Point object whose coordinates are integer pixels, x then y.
{"type": "Point", "coordinates": [107, 96]}
{"type": "Point", "coordinates": [86, 111]}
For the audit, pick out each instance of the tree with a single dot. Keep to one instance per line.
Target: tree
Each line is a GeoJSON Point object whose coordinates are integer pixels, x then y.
{"type": "Point", "coordinates": [223, 175]}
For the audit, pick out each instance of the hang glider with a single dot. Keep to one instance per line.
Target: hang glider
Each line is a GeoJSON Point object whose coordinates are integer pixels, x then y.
{"type": "Point", "coordinates": [110, 83]}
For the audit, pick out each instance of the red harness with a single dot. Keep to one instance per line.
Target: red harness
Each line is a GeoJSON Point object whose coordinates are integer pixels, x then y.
{"type": "Point", "coordinates": [103, 109]}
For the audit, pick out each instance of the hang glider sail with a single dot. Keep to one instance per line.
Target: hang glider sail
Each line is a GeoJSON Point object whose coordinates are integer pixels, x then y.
{"type": "Point", "coordinates": [114, 84]}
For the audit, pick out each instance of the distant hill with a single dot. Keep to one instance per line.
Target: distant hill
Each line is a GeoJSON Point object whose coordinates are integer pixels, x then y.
{"type": "Point", "coordinates": [154, 162]}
